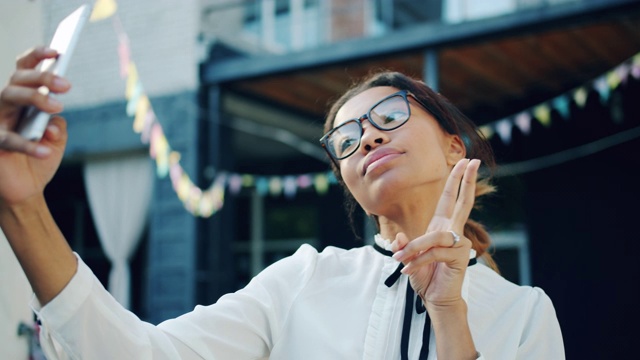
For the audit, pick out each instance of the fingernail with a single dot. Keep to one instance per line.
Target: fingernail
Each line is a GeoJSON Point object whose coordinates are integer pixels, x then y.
{"type": "Point", "coordinates": [54, 102]}
{"type": "Point", "coordinates": [398, 255]}
{"type": "Point", "coordinates": [406, 269]}
{"type": "Point", "coordinates": [60, 82]}
{"type": "Point", "coordinates": [42, 150]}
{"type": "Point", "coordinates": [53, 129]}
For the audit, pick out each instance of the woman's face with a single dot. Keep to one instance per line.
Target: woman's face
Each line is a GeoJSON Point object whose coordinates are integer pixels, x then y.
{"type": "Point", "coordinates": [405, 166]}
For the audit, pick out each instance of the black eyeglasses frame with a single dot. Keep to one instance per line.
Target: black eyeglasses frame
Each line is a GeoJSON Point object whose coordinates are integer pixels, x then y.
{"type": "Point", "coordinates": [402, 93]}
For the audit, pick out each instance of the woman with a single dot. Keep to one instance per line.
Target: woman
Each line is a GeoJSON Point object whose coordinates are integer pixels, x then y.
{"type": "Point", "coordinates": [402, 152]}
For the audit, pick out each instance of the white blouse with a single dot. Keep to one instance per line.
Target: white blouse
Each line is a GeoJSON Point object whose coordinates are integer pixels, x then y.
{"type": "Point", "coordinates": [328, 305]}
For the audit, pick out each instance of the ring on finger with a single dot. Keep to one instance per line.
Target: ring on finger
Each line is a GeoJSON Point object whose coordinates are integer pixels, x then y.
{"type": "Point", "coordinates": [456, 238]}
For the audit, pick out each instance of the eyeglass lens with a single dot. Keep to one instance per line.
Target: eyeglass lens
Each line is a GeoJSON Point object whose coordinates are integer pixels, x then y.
{"type": "Point", "coordinates": [387, 115]}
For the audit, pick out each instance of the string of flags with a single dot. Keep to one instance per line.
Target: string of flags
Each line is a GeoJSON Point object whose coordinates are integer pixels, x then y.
{"type": "Point", "coordinates": [199, 202]}
{"type": "Point", "coordinates": [206, 202]}
{"type": "Point", "coordinates": [603, 84]}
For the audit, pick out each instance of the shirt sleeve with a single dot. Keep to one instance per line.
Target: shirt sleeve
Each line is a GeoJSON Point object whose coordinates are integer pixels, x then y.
{"type": "Point", "coordinates": [248, 322]}
{"type": "Point", "coordinates": [541, 335]}
{"type": "Point", "coordinates": [85, 322]}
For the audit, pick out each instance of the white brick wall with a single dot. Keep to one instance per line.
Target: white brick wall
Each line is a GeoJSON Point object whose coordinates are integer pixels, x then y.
{"type": "Point", "coordinates": [163, 42]}
{"type": "Point", "coordinates": [20, 29]}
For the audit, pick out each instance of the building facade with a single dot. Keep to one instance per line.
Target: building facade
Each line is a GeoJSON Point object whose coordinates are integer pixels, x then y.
{"type": "Point", "coordinates": [238, 91]}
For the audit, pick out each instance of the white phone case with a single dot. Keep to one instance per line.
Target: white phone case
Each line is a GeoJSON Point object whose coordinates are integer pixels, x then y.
{"type": "Point", "coordinates": [34, 122]}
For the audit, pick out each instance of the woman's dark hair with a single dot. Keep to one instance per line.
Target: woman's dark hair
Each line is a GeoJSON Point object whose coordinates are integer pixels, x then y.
{"type": "Point", "coordinates": [451, 120]}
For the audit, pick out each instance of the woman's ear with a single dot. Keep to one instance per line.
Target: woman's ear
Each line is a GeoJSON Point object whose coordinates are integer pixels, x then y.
{"type": "Point", "coordinates": [456, 149]}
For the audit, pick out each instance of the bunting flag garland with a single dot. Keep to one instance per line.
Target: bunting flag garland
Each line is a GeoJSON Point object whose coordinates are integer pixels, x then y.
{"type": "Point", "coordinates": [603, 85]}
{"type": "Point", "coordinates": [206, 202]}
{"type": "Point", "coordinates": [199, 202]}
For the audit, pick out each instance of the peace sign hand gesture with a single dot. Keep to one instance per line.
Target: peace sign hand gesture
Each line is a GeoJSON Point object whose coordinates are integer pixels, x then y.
{"type": "Point", "coordinates": [437, 261]}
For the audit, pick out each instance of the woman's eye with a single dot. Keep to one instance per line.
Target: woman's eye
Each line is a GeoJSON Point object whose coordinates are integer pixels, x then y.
{"type": "Point", "coordinates": [345, 143]}
{"type": "Point", "coordinates": [391, 117]}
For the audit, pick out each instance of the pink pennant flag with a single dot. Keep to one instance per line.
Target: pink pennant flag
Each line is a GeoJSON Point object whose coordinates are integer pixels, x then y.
{"type": "Point", "coordinates": [175, 173]}
{"type": "Point", "coordinates": [523, 122]}
{"type": "Point", "coordinates": [148, 123]}
{"type": "Point", "coordinates": [156, 134]}
{"type": "Point", "coordinates": [218, 197]}
{"type": "Point", "coordinates": [304, 181]}
{"type": "Point", "coordinates": [623, 71]}
{"type": "Point", "coordinates": [635, 66]}
{"type": "Point", "coordinates": [124, 54]}
{"type": "Point", "coordinates": [235, 183]}
{"type": "Point", "coordinates": [635, 71]}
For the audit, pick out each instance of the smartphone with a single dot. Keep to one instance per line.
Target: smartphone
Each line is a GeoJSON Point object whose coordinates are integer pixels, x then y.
{"type": "Point", "coordinates": [33, 121]}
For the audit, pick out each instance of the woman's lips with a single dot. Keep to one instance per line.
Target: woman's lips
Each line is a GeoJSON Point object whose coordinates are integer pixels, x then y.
{"type": "Point", "coordinates": [378, 157]}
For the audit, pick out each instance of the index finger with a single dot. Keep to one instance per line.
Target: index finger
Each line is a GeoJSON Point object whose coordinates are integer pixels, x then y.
{"type": "Point", "coordinates": [10, 141]}
{"type": "Point", "coordinates": [467, 195]}
{"type": "Point", "coordinates": [449, 195]}
{"type": "Point", "coordinates": [33, 57]}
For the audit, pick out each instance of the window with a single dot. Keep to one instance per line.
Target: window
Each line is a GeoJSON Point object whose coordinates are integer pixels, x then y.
{"type": "Point", "coordinates": [271, 228]}
{"type": "Point", "coordinates": [283, 25]}
{"type": "Point", "coordinates": [510, 250]}
{"type": "Point", "coordinates": [398, 14]}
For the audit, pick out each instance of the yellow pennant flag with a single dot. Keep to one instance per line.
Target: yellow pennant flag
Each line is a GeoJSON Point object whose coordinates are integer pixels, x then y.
{"type": "Point", "coordinates": [613, 79]}
{"type": "Point", "coordinates": [205, 207]}
{"type": "Point", "coordinates": [487, 131]}
{"type": "Point", "coordinates": [103, 9]}
{"type": "Point", "coordinates": [321, 183]}
{"type": "Point", "coordinates": [132, 81]}
{"type": "Point", "coordinates": [580, 96]}
{"type": "Point", "coordinates": [543, 114]}
{"type": "Point", "coordinates": [184, 186]}
{"type": "Point", "coordinates": [141, 114]}
{"type": "Point", "coordinates": [247, 180]}
{"type": "Point", "coordinates": [174, 158]}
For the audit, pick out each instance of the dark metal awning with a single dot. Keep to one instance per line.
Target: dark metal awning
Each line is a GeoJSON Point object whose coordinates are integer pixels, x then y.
{"type": "Point", "coordinates": [489, 68]}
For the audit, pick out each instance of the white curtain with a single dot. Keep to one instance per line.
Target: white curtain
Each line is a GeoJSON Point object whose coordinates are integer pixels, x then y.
{"type": "Point", "coordinates": [119, 192]}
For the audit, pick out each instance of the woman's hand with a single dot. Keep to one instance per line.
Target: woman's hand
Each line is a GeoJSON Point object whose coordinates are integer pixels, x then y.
{"type": "Point", "coordinates": [435, 263]}
{"type": "Point", "coordinates": [27, 166]}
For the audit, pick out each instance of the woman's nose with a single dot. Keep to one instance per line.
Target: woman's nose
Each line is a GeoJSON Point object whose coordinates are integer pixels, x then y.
{"type": "Point", "coordinates": [372, 137]}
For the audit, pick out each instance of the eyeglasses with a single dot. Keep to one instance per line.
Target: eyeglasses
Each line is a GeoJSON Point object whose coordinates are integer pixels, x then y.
{"type": "Point", "coordinates": [387, 114]}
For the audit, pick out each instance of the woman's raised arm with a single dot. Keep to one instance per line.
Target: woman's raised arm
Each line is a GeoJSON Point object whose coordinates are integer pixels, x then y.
{"type": "Point", "coordinates": [26, 167]}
